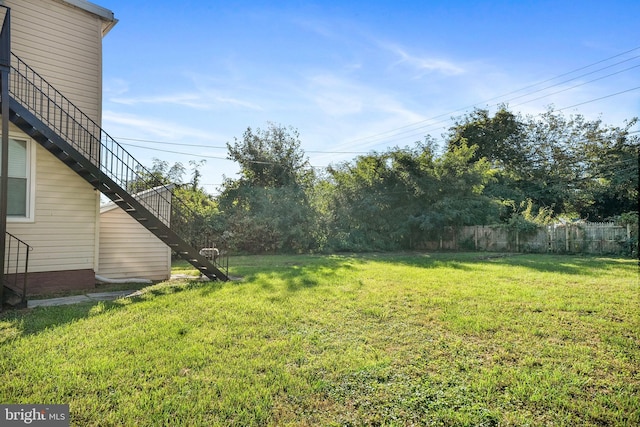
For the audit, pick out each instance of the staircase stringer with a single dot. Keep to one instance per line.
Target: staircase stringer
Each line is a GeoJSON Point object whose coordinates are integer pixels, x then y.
{"type": "Point", "coordinates": [65, 152]}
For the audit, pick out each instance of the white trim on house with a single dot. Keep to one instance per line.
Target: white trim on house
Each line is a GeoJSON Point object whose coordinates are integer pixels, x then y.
{"type": "Point", "coordinates": [101, 12]}
{"type": "Point", "coordinates": [31, 179]}
{"type": "Point", "coordinates": [93, 8]}
{"type": "Point", "coordinates": [104, 13]}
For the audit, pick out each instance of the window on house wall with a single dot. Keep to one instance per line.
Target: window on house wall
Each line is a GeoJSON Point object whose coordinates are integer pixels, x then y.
{"type": "Point", "coordinates": [19, 180]}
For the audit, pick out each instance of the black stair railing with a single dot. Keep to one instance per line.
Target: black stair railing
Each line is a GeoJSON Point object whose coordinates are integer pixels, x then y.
{"type": "Point", "coordinates": [57, 112]}
{"type": "Point", "coordinates": [16, 265]}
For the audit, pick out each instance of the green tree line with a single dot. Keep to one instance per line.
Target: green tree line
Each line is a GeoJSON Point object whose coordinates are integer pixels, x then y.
{"type": "Point", "coordinates": [505, 168]}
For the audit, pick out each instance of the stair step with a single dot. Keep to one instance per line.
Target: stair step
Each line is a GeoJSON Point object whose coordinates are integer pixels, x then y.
{"type": "Point", "coordinates": [54, 149]}
{"type": "Point", "coordinates": [32, 132]}
{"type": "Point", "coordinates": [20, 121]}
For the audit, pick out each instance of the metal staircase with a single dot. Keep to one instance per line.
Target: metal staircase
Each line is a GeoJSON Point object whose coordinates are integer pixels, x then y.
{"type": "Point", "coordinates": [48, 117]}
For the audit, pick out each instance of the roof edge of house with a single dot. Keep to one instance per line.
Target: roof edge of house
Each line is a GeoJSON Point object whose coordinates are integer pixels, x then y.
{"type": "Point", "coordinates": [107, 16]}
{"type": "Point", "coordinates": [100, 11]}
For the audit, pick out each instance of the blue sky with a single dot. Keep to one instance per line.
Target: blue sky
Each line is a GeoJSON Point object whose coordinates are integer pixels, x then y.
{"type": "Point", "coordinates": [354, 76]}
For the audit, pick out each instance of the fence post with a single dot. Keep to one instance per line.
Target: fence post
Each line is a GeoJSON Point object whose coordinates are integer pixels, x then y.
{"type": "Point", "coordinates": [454, 231]}
{"type": "Point", "coordinates": [566, 237]}
{"type": "Point", "coordinates": [475, 236]}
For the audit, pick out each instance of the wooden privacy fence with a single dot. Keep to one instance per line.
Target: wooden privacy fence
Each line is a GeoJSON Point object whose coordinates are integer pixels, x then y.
{"type": "Point", "coordinates": [586, 237]}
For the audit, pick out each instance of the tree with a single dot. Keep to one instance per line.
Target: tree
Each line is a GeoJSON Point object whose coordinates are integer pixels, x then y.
{"type": "Point", "coordinates": [501, 140]}
{"type": "Point", "coordinates": [611, 172]}
{"type": "Point", "coordinates": [568, 166]}
{"type": "Point", "coordinates": [459, 198]}
{"type": "Point", "coordinates": [397, 199]}
{"type": "Point", "coordinates": [196, 174]}
{"type": "Point", "coordinates": [578, 167]}
{"type": "Point", "coordinates": [362, 198]}
{"type": "Point", "coordinates": [498, 139]}
{"type": "Point", "coordinates": [271, 158]}
{"type": "Point", "coordinates": [160, 173]}
{"type": "Point", "coordinates": [195, 214]}
{"type": "Point", "coordinates": [268, 209]}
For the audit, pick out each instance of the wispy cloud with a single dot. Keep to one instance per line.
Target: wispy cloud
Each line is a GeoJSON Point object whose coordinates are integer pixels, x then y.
{"type": "Point", "coordinates": [184, 100]}
{"type": "Point", "coordinates": [422, 64]}
{"type": "Point", "coordinates": [133, 125]}
{"type": "Point", "coordinates": [315, 26]}
{"type": "Point", "coordinates": [335, 96]}
{"type": "Point", "coordinates": [338, 96]}
{"type": "Point", "coordinates": [349, 113]}
{"type": "Point", "coordinates": [199, 101]}
{"type": "Point", "coordinates": [202, 93]}
{"type": "Point", "coordinates": [237, 102]}
{"type": "Point", "coordinates": [115, 87]}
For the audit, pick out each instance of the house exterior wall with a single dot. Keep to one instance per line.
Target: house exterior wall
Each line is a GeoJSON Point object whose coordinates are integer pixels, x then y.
{"type": "Point", "coordinates": [63, 229]}
{"type": "Point", "coordinates": [62, 43]}
{"type": "Point", "coordinates": [127, 249]}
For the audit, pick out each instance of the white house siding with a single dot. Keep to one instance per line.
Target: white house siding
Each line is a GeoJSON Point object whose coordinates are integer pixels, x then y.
{"type": "Point", "coordinates": [63, 230]}
{"type": "Point", "coordinates": [128, 250]}
{"type": "Point", "coordinates": [63, 44]}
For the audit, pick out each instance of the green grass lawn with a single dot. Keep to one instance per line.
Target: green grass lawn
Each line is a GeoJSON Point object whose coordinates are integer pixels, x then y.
{"type": "Point", "coordinates": [385, 339]}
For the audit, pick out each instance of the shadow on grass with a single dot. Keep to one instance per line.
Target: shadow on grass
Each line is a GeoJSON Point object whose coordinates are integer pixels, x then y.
{"type": "Point", "coordinates": [565, 264]}
{"type": "Point", "coordinates": [34, 320]}
{"type": "Point", "coordinates": [454, 260]}
{"type": "Point", "coordinates": [298, 272]}
{"type": "Point", "coordinates": [547, 263]}
{"type": "Point", "coordinates": [301, 272]}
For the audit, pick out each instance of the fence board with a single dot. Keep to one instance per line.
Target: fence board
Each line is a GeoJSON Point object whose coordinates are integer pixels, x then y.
{"type": "Point", "coordinates": [587, 237]}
